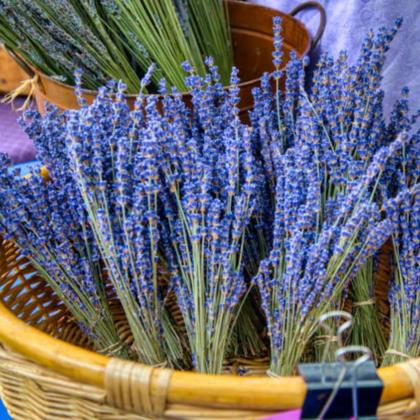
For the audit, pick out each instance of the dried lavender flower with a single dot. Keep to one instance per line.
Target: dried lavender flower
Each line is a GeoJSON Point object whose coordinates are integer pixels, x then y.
{"type": "Point", "coordinates": [48, 223]}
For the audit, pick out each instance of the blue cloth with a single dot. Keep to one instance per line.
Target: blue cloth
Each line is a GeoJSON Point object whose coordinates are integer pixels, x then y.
{"type": "Point", "coordinates": [26, 168]}
{"type": "Point", "coordinates": [348, 22]}
{"type": "Point", "coordinates": [3, 412]}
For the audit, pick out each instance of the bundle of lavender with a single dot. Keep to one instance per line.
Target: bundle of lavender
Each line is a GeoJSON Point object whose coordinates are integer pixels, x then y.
{"type": "Point", "coordinates": [328, 153]}
{"type": "Point", "coordinates": [117, 39]}
{"type": "Point", "coordinates": [404, 211]}
{"type": "Point", "coordinates": [404, 294]}
{"type": "Point", "coordinates": [200, 225]}
{"type": "Point", "coordinates": [49, 223]}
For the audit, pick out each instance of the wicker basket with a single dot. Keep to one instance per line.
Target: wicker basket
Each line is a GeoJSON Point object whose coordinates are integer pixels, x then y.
{"type": "Point", "coordinates": [11, 75]}
{"type": "Point", "coordinates": [48, 372]}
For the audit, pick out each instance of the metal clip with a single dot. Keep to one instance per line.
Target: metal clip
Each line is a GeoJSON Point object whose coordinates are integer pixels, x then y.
{"type": "Point", "coordinates": [340, 390]}
{"type": "Point", "coordinates": [338, 334]}
{"type": "Point", "coordinates": [352, 368]}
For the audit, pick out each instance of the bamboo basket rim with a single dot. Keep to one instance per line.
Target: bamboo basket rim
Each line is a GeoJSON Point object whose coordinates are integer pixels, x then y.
{"type": "Point", "coordinates": [88, 367]}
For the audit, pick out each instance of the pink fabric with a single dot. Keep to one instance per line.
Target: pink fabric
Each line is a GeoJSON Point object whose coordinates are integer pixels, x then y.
{"type": "Point", "coordinates": [290, 415]}
{"type": "Point", "coordinates": [287, 415]}
{"type": "Point", "coordinates": [13, 141]}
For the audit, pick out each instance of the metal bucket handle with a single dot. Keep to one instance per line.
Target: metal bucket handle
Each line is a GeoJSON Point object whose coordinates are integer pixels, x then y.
{"type": "Point", "coordinates": [322, 18]}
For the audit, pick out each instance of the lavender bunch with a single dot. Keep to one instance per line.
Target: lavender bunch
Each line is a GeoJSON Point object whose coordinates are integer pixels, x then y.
{"type": "Point", "coordinates": [348, 101]}
{"type": "Point", "coordinates": [115, 163]}
{"type": "Point", "coordinates": [338, 134]}
{"type": "Point", "coordinates": [367, 330]}
{"type": "Point", "coordinates": [59, 37]}
{"type": "Point", "coordinates": [208, 168]}
{"type": "Point", "coordinates": [313, 260]}
{"type": "Point", "coordinates": [404, 293]}
{"type": "Point", "coordinates": [113, 39]}
{"type": "Point", "coordinates": [170, 191]}
{"type": "Point", "coordinates": [48, 222]}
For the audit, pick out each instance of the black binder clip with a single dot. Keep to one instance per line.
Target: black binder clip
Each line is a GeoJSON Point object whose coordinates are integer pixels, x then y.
{"type": "Point", "coordinates": [341, 390]}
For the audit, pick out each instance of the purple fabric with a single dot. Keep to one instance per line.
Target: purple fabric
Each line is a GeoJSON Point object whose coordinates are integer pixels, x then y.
{"type": "Point", "coordinates": [13, 141]}
{"type": "Point", "coordinates": [348, 22]}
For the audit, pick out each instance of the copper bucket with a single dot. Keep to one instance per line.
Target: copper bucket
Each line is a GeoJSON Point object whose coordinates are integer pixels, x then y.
{"type": "Point", "coordinates": [11, 75]}
{"type": "Point", "coordinates": [252, 37]}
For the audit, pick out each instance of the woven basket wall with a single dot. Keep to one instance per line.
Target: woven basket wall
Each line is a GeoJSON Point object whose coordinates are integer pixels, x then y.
{"type": "Point", "coordinates": [11, 75]}
{"type": "Point", "coordinates": [49, 378]}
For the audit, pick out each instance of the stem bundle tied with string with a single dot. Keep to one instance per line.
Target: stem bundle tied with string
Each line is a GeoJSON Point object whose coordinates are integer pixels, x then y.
{"type": "Point", "coordinates": [167, 198]}
{"type": "Point", "coordinates": [367, 330]}
{"type": "Point", "coordinates": [208, 206]}
{"type": "Point", "coordinates": [327, 155]}
{"type": "Point", "coordinates": [49, 224]}
{"type": "Point", "coordinates": [404, 291]}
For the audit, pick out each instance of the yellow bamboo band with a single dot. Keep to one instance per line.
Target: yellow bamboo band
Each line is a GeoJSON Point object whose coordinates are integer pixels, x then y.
{"type": "Point", "coordinates": [137, 388]}
{"type": "Point", "coordinates": [412, 369]}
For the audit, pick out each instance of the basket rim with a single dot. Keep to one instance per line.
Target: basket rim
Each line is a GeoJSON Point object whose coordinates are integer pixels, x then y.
{"type": "Point", "coordinates": [88, 367]}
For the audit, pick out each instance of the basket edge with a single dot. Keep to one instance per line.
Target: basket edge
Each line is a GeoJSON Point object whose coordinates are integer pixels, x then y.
{"type": "Point", "coordinates": [185, 387]}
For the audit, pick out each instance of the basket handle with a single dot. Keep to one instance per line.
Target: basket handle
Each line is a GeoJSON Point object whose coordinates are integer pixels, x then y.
{"type": "Point", "coordinates": [322, 18]}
